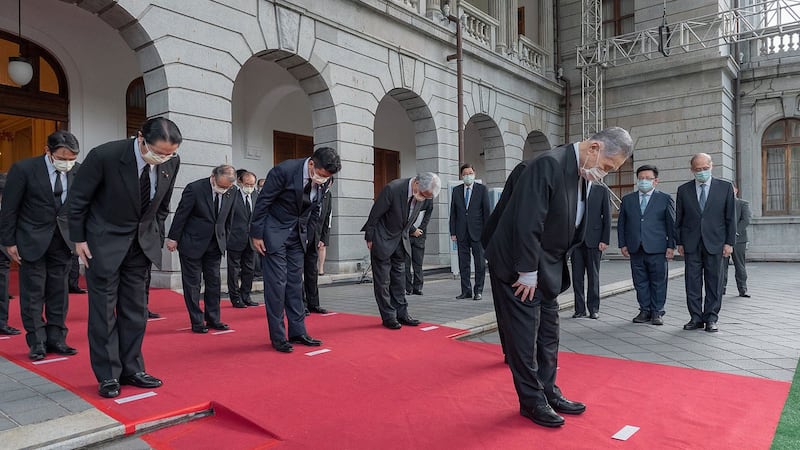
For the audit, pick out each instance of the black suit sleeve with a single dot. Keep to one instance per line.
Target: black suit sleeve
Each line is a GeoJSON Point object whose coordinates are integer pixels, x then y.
{"type": "Point", "coordinates": [185, 207]}
{"type": "Point", "coordinates": [325, 223]}
{"type": "Point", "coordinates": [500, 207]}
{"type": "Point", "coordinates": [163, 208]}
{"type": "Point", "coordinates": [427, 206]}
{"type": "Point", "coordinates": [13, 196]}
{"type": "Point", "coordinates": [605, 211]}
{"type": "Point", "coordinates": [679, 205]}
{"type": "Point", "coordinates": [485, 207]}
{"type": "Point", "coordinates": [730, 217]}
{"type": "Point", "coordinates": [670, 221]}
{"type": "Point", "coordinates": [744, 215]}
{"type": "Point", "coordinates": [82, 193]}
{"type": "Point", "coordinates": [530, 219]}
{"type": "Point", "coordinates": [273, 186]}
{"type": "Point", "coordinates": [453, 212]}
{"type": "Point", "coordinates": [381, 206]}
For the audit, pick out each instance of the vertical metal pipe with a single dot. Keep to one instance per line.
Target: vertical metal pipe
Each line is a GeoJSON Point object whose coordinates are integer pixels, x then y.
{"type": "Point", "coordinates": [458, 56]}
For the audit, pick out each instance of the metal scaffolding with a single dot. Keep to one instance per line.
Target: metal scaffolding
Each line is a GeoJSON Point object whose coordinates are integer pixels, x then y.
{"type": "Point", "coordinates": [769, 20]}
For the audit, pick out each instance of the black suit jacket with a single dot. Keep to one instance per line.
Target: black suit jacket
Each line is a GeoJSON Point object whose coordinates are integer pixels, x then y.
{"type": "Point", "coordinates": [427, 210]}
{"type": "Point", "coordinates": [388, 222]}
{"type": "Point", "coordinates": [279, 207]}
{"type": "Point", "coordinates": [323, 229]}
{"type": "Point", "coordinates": [508, 190]}
{"type": "Point", "coordinates": [28, 216]}
{"type": "Point", "coordinates": [239, 235]}
{"type": "Point", "coordinates": [105, 211]}
{"type": "Point", "coordinates": [716, 224]}
{"type": "Point", "coordinates": [598, 217]}
{"type": "Point", "coordinates": [536, 227]}
{"type": "Point", "coordinates": [653, 231]}
{"type": "Point", "coordinates": [467, 222]}
{"type": "Point", "coordinates": [743, 217]}
{"type": "Point", "coordinates": [195, 223]}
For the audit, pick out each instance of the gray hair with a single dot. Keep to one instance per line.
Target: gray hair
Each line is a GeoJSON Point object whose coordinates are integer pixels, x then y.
{"type": "Point", "coordinates": [226, 171]}
{"type": "Point", "coordinates": [616, 141]}
{"type": "Point", "coordinates": [429, 182]}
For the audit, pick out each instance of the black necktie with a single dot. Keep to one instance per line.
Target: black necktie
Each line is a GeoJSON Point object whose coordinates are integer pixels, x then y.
{"type": "Point", "coordinates": [307, 195]}
{"type": "Point", "coordinates": [144, 188]}
{"type": "Point", "coordinates": [583, 189]}
{"type": "Point", "coordinates": [216, 204]}
{"type": "Point", "coordinates": [247, 205]}
{"type": "Point", "coordinates": [410, 202]}
{"type": "Point", "coordinates": [58, 189]}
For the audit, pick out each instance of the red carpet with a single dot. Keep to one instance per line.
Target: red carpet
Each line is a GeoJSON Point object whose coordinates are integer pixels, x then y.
{"type": "Point", "coordinates": [378, 388]}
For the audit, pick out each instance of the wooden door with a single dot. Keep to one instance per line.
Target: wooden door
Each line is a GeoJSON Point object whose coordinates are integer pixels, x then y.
{"type": "Point", "coordinates": [290, 146]}
{"type": "Point", "coordinates": [387, 168]}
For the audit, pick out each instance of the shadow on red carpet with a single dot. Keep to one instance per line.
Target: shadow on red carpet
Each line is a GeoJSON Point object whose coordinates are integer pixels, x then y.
{"type": "Point", "coordinates": [379, 388]}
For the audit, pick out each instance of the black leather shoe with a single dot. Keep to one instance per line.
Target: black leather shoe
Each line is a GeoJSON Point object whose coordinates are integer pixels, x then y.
{"type": "Point", "coordinates": [305, 340]}
{"type": "Point", "coordinates": [61, 348]}
{"type": "Point", "coordinates": [477, 296]}
{"type": "Point", "coordinates": [218, 326]}
{"type": "Point", "coordinates": [238, 305]}
{"type": "Point", "coordinates": [578, 315]}
{"type": "Point", "coordinates": [712, 327]}
{"type": "Point", "coordinates": [565, 406]}
{"type": "Point", "coordinates": [464, 295]}
{"type": "Point", "coordinates": [408, 292]}
{"type": "Point", "coordinates": [202, 329]}
{"type": "Point", "coordinates": [657, 320]}
{"type": "Point", "coordinates": [9, 330]}
{"type": "Point", "coordinates": [594, 315]}
{"type": "Point", "coordinates": [109, 388]}
{"type": "Point", "coordinates": [408, 320]}
{"type": "Point", "coordinates": [543, 415]}
{"type": "Point", "coordinates": [392, 324]}
{"type": "Point", "coordinates": [152, 315]}
{"type": "Point", "coordinates": [643, 317]}
{"type": "Point", "coordinates": [417, 292]}
{"type": "Point", "coordinates": [317, 309]}
{"type": "Point", "coordinates": [283, 347]}
{"type": "Point", "coordinates": [76, 290]}
{"type": "Point", "coordinates": [141, 380]}
{"type": "Point", "coordinates": [249, 302]}
{"type": "Point", "coordinates": [693, 325]}
{"type": "Point", "coordinates": [744, 294]}
{"type": "Point", "coordinates": [37, 352]}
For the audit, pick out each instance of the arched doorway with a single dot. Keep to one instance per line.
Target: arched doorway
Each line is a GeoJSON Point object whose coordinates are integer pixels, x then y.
{"type": "Point", "coordinates": [780, 166]}
{"type": "Point", "coordinates": [535, 143]}
{"type": "Point", "coordinates": [483, 148]}
{"type": "Point", "coordinates": [28, 114]}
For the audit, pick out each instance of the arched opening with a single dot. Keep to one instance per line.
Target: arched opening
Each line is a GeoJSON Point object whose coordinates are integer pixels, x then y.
{"type": "Point", "coordinates": [28, 114]}
{"type": "Point", "coordinates": [135, 106]}
{"type": "Point", "coordinates": [483, 147]}
{"type": "Point", "coordinates": [535, 143]}
{"type": "Point", "coordinates": [780, 166]}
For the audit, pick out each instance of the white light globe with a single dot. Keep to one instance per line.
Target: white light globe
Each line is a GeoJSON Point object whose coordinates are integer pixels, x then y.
{"type": "Point", "coordinates": [20, 70]}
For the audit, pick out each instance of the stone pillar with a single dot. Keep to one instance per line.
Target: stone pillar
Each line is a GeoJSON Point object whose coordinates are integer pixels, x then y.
{"type": "Point", "coordinates": [546, 31]}
{"type": "Point", "coordinates": [433, 9]}
{"type": "Point", "coordinates": [497, 9]}
{"type": "Point", "coordinates": [512, 30]}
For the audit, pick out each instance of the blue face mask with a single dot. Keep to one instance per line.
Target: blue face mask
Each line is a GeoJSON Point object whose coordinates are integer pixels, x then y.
{"type": "Point", "coordinates": [645, 186]}
{"type": "Point", "coordinates": [703, 175]}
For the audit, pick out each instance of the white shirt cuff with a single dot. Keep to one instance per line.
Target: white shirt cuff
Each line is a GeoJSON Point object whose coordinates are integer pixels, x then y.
{"type": "Point", "coordinates": [529, 278]}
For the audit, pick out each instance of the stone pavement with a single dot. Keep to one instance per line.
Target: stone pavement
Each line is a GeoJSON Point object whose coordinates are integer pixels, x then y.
{"type": "Point", "coordinates": [759, 336]}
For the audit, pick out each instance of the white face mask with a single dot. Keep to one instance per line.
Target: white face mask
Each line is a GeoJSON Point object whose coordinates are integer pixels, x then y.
{"type": "Point", "coordinates": [154, 158]}
{"type": "Point", "coordinates": [217, 189]}
{"type": "Point", "coordinates": [469, 179]}
{"type": "Point", "coordinates": [248, 189]}
{"type": "Point", "coordinates": [62, 165]}
{"type": "Point", "coordinates": [419, 197]}
{"type": "Point", "coordinates": [594, 174]}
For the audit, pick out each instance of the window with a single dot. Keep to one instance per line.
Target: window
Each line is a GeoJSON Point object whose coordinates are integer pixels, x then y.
{"type": "Point", "coordinates": [617, 17]}
{"type": "Point", "coordinates": [135, 107]}
{"type": "Point", "coordinates": [621, 181]}
{"type": "Point", "coordinates": [780, 166]}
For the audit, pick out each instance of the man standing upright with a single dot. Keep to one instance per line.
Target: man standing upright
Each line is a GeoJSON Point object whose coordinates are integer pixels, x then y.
{"type": "Point", "coordinates": [284, 220]}
{"type": "Point", "coordinates": [117, 210]}
{"type": "Point", "coordinates": [417, 236]}
{"type": "Point", "coordinates": [469, 212]}
{"type": "Point", "coordinates": [586, 257]}
{"type": "Point", "coordinates": [199, 232]}
{"type": "Point", "coordinates": [310, 261]}
{"type": "Point", "coordinates": [646, 234]}
{"type": "Point", "coordinates": [542, 220]}
{"type": "Point", "coordinates": [743, 216]}
{"type": "Point", "coordinates": [386, 233]}
{"type": "Point", "coordinates": [705, 223]}
{"type": "Point", "coordinates": [241, 256]}
{"type": "Point", "coordinates": [33, 229]}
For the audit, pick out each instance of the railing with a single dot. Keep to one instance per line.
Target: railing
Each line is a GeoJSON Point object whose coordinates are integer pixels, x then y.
{"type": "Point", "coordinates": [789, 42]}
{"type": "Point", "coordinates": [532, 56]}
{"type": "Point", "coordinates": [412, 5]}
{"type": "Point", "coordinates": [479, 26]}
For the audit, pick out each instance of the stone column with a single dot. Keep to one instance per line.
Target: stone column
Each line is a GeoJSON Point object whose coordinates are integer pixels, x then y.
{"type": "Point", "coordinates": [546, 31]}
{"type": "Point", "coordinates": [497, 9]}
{"type": "Point", "coordinates": [433, 9]}
{"type": "Point", "coordinates": [512, 30]}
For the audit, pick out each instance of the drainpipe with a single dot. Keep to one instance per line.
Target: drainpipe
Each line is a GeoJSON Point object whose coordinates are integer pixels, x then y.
{"type": "Point", "coordinates": [737, 135]}
{"type": "Point", "coordinates": [458, 56]}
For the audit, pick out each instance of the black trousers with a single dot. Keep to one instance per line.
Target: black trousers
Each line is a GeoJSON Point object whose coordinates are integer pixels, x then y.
{"type": "Point", "coordinates": [739, 268]}
{"type": "Point", "coordinates": [414, 261]}
{"type": "Point", "coordinates": [311, 275]}
{"type": "Point", "coordinates": [5, 263]}
{"type": "Point", "coordinates": [208, 265]}
{"type": "Point", "coordinates": [650, 277]}
{"type": "Point", "coordinates": [74, 272]}
{"type": "Point", "coordinates": [283, 289]}
{"type": "Point", "coordinates": [464, 249]}
{"type": "Point", "coordinates": [43, 300]}
{"type": "Point", "coordinates": [241, 270]}
{"type": "Point", "coordinates": [586, 260]}
{"type": "Point", "coordinates": [388, 284]}
{"type": "Point", "coordinates": [531, 331]}
{"type": "Point", "coordinates": [703, 268]}
{"type": "Point", "coordinates": [118, 317]}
